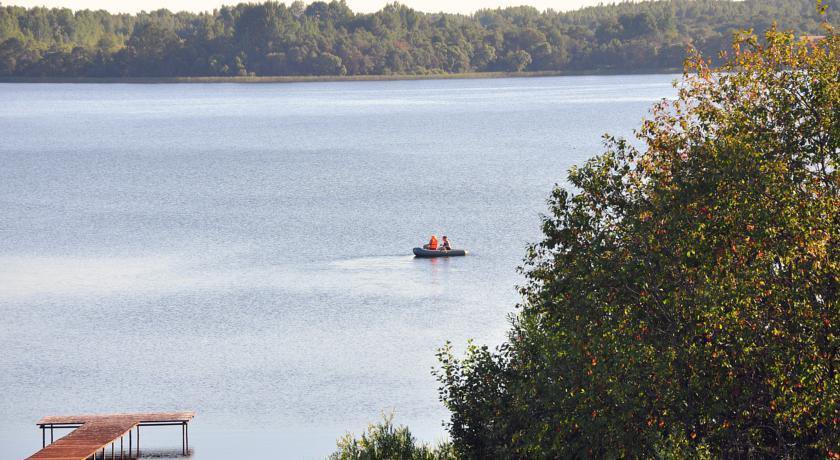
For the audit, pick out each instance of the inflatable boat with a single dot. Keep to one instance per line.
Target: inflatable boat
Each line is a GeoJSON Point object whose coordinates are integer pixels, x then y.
{"type": "Point", "coordinates": [420, 252]}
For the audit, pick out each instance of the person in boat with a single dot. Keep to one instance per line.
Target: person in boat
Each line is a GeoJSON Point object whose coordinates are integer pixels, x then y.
{"type": "Point", "coordinates": [445, 246]}
{"type": "Point", "coordinates": [432, 245]}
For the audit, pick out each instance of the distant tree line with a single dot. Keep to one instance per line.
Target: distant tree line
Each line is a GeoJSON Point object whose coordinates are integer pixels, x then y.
{"type": "Point", "coordinates": [329, 39]}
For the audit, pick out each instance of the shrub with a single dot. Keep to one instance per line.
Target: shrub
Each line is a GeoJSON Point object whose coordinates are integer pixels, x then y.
{"type": "Point", "coordinates": [384, 441]}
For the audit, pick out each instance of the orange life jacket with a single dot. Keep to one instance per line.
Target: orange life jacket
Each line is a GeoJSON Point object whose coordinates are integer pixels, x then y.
{"type": "Point", "coordinates": [433, 243]}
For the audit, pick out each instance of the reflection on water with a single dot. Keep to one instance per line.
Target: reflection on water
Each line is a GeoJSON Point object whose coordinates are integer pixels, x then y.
{"type": "Point", "coordinates": [244, 251]}
{"type": "Point", "coordinates": [164, 453]}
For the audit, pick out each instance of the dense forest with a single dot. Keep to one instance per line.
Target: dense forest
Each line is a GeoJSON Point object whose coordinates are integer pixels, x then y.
{"type": "Point", "coordinates": [322, 38]}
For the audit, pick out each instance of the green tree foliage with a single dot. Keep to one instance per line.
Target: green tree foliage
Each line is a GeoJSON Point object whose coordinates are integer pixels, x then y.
{"type": "Point", "coordinates": [517, 61]}
{"type": "Point", "coordinates": [684, 301]}
{"type": "Point", "coordinates": [150, 49]}
{"type": "Point", "coordinates": [327, 38]}
{"type": "Point", "coordinates": [384, 441]}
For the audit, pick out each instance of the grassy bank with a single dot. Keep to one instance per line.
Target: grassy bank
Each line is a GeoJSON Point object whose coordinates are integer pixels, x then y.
{"type": "Point", "coordinates": [323, 78]}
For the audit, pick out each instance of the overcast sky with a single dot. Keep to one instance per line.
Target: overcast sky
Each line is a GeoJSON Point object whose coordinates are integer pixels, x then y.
{"type": "Point", "coordinates": [453, 6]}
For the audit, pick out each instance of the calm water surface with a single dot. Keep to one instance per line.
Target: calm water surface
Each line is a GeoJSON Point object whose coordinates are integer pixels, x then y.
{"type": "Point", "coordinates": [244, 250]}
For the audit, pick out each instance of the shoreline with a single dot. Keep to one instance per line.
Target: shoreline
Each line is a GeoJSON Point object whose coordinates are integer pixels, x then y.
{"type": "Point", "coordinates": [331, 78]}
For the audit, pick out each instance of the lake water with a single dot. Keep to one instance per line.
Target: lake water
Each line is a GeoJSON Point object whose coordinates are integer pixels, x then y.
{"type": "Point", "coordinates": [244, 251]}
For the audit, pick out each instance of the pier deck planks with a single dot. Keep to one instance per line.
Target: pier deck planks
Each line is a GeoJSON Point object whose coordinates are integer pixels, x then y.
{"type": "Point", "coordinates": [98, 431]}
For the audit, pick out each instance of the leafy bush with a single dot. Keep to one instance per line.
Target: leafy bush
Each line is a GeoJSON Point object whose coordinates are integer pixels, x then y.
{"type": "Point", "coordinates": [684, 301]}
{"type": "Point", "coordinates": [384, 441]}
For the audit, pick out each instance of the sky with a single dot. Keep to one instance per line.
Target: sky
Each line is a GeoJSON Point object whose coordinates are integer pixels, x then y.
{"type": "Point", "coordinates": [365, 6]}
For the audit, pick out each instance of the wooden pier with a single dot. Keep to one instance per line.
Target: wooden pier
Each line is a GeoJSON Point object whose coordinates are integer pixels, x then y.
{"type": "Point", "coordinates": [106, 435]}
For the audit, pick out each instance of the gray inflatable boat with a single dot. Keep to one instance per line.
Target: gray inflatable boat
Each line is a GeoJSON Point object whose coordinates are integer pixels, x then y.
{"type": "Point", "coordinates": [420, 252]}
